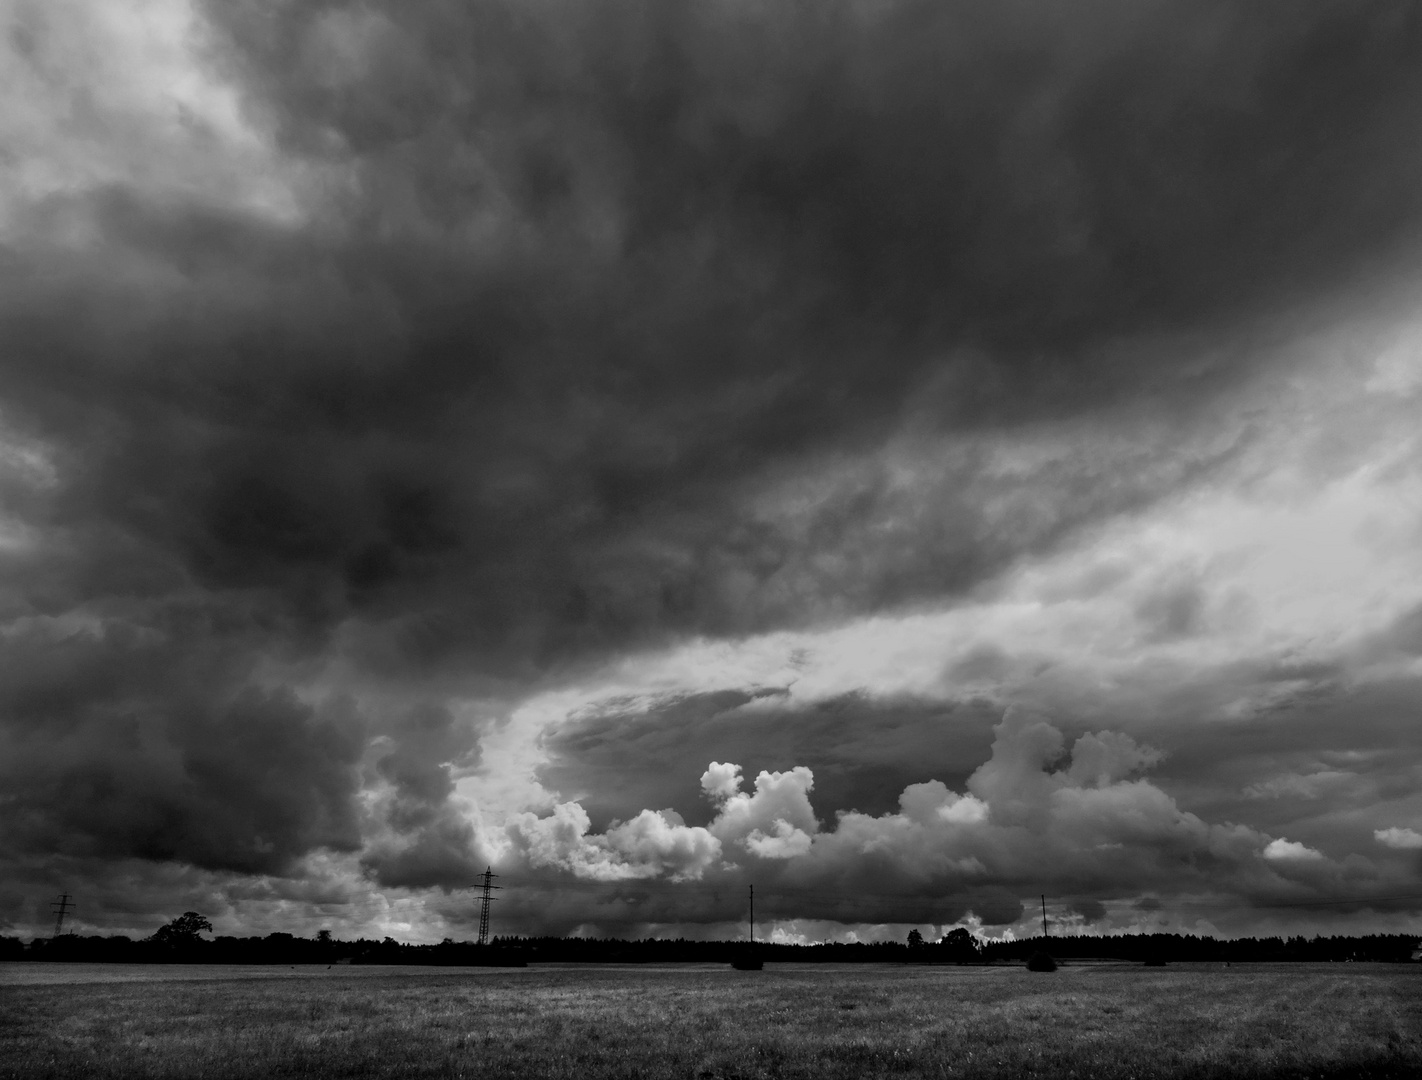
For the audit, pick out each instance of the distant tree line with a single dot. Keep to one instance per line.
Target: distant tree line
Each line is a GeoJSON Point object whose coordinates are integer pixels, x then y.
{"type": "Point", "coordinates": [181, 941]}
{"type": "Point", "coordinates": [961, 947]}
{"type": "Point", "coordinates": [682, 950]}
{"type": "Point", "coordinates": [1184, 948]}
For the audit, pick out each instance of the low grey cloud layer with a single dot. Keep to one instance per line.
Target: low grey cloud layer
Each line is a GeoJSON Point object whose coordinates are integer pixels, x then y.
{"type": "Point", "coordinates": [389, 389]}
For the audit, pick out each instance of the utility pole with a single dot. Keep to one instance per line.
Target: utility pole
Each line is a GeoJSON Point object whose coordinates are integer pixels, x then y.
{"type": "Point", "coordinates": [485, 899]}
{"type": "Point", "coordinates": [60, 908]}
{"type": "Point", "coordinates": [747, 960]}
{"type": "Point", "coordinates": [1044, 915]}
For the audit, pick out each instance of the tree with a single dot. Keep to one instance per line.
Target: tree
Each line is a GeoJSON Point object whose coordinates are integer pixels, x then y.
{"type": "Point", "coordinates": [1040, 961]}
{"type": "Point", "coordinates": [183, 931]}
{"type": "Point", "coordinates": [915, 939]}
{"type": "Point", "coordinates": [960, 945]}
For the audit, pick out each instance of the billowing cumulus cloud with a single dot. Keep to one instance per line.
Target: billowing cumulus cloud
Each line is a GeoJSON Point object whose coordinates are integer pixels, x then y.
{"type": "Point", "coordinates": [775, 822]}
{"type": "Point", "coordinates": [1038, 811]}
{"type": "Point", "coordinates": [1073, 818]}
{"type": "Point", "coordinates": [432, 432]}
{"type": "Point", "coordinates": [651, 843]}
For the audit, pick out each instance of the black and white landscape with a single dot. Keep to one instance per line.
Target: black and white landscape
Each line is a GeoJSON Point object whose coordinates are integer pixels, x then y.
{"type": "Point", "coordinates": [911, 456]}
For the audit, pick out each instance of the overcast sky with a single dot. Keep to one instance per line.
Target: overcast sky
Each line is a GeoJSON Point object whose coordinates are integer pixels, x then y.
{"type": "Point", "coordinates": [912, 456]}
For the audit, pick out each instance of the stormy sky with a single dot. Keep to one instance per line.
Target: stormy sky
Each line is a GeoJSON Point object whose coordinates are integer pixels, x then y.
{"type": "Point", "coordinates": [911, 456]}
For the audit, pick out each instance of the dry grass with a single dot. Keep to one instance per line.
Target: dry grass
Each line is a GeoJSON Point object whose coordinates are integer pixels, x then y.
{"type": "Point", "coordinates": [705, 1023]}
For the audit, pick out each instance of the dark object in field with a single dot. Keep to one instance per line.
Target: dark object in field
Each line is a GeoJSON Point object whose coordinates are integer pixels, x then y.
{"type": "Point", "coordinates": [747, 963]}
{"type": "Point", "coordinates": [1040, 961]}
{"type": "Point", "coordinates": [1155, 961]}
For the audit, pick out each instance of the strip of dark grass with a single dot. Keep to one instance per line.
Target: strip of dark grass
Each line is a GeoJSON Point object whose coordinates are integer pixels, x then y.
{"type": "Point", "coordinates": [1326, 1021]}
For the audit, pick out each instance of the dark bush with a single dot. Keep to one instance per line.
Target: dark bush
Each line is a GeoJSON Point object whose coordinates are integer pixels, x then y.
{"type": "Point", "coordinates": [1040, 961]}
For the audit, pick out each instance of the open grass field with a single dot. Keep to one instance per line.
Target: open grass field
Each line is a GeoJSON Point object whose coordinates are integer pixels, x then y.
{"type": "Point", "coordinates": [1101, 1021]}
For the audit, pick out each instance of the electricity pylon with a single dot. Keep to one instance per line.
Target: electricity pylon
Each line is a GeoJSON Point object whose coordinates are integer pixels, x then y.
{"type": "Point", "coordinates": [485, 899]}
{"type": "Point", "coordinates": [60, 908]}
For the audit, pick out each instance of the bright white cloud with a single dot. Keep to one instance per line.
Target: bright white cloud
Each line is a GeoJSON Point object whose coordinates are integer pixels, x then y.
{"type": "Point", "coordinates": [721, 781]}
{"type": "Point", "coordinates": [921, 802]}
{"type": "Point", "coordinates": [784, 841]}
{"type": "Point", "coordinates": [651, 844]}
{"type": "Point", "coordinates": [775, 822]}
{"type": "Point", "coordinates": [1401, 839]}
{"type": "Point", "coordinates": [1289, 850]}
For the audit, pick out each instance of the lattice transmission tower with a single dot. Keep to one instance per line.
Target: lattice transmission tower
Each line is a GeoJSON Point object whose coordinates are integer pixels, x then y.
{"type": "Point", "coordinates": [486, 898]}
{"type": "Point", "coordinates": [60, 908]}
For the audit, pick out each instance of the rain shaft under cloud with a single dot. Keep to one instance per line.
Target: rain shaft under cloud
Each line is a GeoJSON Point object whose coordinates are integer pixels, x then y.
{"type": "Point", "coordinates": [393, 393]}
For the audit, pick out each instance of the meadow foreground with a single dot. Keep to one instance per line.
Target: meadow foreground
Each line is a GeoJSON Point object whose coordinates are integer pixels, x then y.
{"type": "Point", "coordinates": [1109, 1021]}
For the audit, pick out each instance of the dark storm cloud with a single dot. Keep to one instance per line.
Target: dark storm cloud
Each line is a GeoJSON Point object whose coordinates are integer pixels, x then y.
{"type": "Point", "coordinates": [585, 334]}
{"type": "Point", "coordinates": [1318, 764]}
{"type": "Point", "coordinates": [632, 256]}
{"type": "Point", "coordinates": [580, 274]}
{"type": "Point", "coordinates": [126, 740]}
{"type": "Point", "coordinates": [1088, 911]}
